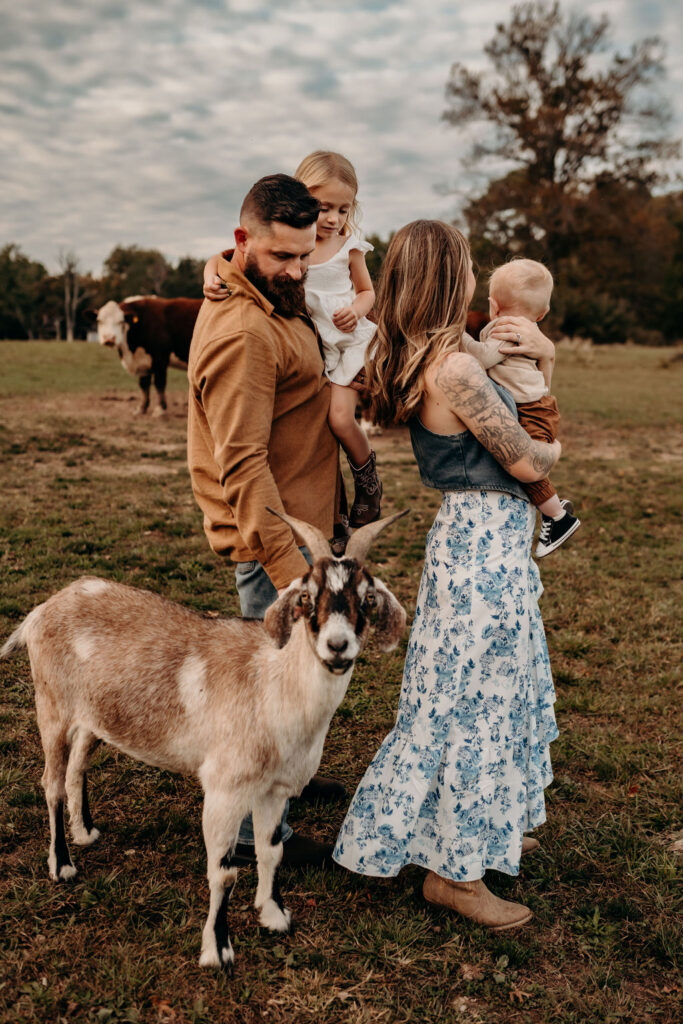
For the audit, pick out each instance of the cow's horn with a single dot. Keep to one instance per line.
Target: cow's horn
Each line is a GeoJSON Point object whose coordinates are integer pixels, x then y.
{"type": "Point", "coordinates": [311, 536]}
{"type": "Point", "coordinates": [362, 539]}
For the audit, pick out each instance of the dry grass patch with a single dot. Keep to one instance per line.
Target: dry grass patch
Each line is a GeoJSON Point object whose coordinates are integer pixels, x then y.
{"type": "Point", "coordinates": [89, 488]}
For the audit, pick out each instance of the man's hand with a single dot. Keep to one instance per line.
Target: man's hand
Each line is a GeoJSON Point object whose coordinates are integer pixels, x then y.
{"type": "Point", "coordinates": [214, 288]}
{"type": "Point", "coordinates": [345, 319]}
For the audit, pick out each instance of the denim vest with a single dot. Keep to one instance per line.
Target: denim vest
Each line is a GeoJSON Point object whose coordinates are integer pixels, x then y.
{"type": "Point", "coordinates": [458, 462]}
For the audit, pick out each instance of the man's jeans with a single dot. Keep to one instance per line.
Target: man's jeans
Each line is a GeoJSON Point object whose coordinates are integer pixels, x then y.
{"type": "Point", "coordinates": [256, 594]}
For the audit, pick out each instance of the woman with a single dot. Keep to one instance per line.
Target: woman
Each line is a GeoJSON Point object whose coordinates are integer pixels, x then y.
{"type": "Point", "coordinates": [461, 776]}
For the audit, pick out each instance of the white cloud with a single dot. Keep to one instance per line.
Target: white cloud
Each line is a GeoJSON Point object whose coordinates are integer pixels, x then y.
{"type": "Point", "coordinates": [146, 123]}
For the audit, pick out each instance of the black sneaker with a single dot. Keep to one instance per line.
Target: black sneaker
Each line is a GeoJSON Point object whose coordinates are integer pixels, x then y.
{"type": "Point", "coordinates": [555, 531]}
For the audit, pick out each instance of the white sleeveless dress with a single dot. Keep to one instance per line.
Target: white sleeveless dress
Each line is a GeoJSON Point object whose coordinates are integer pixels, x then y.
{"type": "Point", "coordinates": [329, 288]}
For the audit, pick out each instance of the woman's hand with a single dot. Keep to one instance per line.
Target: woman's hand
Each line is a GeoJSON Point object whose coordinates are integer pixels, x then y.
{"type": "Point", "coordinates": [522, 337]}
{"type": "Point", "coordinates": [345, 319]}
{"type": "Point", "coordinates": [214, 288]}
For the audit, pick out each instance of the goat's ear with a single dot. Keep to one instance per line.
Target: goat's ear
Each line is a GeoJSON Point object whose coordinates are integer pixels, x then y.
{"type": "Point", "coordinates": [280, 617]}
{"type": "Point", "coordinates": [390, 620]}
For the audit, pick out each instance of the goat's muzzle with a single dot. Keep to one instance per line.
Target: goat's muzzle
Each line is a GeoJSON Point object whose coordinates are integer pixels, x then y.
{"type": "Point", "coordinates": [338, 666]}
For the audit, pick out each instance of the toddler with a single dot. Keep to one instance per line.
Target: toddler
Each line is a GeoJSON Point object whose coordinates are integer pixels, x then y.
{"type": "Point", "coordinates": [339, 295]}
{"type": "Point", "coordinates": [523, 288]}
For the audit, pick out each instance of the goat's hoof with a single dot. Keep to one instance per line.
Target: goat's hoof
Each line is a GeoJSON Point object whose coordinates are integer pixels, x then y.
{"type": "Point", "coordinates": [210, 957]}
{"type": "Point", "coordinates": [85, 838]}
{"type": "Point", "coordinates": [225, 959]}
{"type": "Point", "coordinates": [64, 873]}
{"type": "Point", "coordinates": [275, 918]}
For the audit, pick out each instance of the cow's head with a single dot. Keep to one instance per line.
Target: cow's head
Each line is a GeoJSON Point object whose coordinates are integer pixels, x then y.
{"type": "Point", "coordinates": [111, 325]}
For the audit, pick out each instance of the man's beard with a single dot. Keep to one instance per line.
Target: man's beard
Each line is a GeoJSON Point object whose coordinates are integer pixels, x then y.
{"type": "Point", "coordinates": [286, 295]}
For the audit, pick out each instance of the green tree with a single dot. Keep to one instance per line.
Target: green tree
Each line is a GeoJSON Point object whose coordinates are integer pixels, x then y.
{"type": "Point", "coordinates": [21, 293]}
{"type": "Point", "coordinates": [375, 259]}
{"type": "Point", "coordinates": [185, 280]}
{"type": "Point", "coordinates": [74, 291]}
{"type": "Point", "coordinates": [580, 131]}
{"type": "Point", "coordinates": [130, 270]}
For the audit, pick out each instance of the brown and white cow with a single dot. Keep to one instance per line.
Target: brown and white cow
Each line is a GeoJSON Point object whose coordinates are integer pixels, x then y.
{"type": "Point", "coordinates": [149, 334]}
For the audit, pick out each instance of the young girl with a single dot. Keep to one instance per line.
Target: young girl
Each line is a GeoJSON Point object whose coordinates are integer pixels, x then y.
{"type": "Point", "coordinates": [339, 295]}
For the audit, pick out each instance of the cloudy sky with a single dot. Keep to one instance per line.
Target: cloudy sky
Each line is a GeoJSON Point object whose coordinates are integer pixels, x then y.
{"type": "Point", "coordinates": [145, 122]}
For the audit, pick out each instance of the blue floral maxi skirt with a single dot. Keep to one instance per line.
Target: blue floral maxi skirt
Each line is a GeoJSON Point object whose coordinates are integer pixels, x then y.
{"type": "Point", "coordinates": [461, 775]}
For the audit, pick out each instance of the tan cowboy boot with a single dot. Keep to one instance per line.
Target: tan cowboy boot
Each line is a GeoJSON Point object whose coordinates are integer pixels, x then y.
{"type": "Point", "coordinates": [366, 503]}
{"type": "Point", "coordinates": [529, 844]}
{"type": "Point", "coordinates": [473, 900]}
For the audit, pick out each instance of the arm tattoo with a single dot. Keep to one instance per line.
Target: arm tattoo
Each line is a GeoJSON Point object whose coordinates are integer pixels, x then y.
{"type": "Point", "coordinates": [475, 401]}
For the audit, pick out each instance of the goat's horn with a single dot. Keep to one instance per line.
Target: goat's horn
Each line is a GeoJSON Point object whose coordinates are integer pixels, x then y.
{"type": "Point", "coordinates": [362, 539]}
{"type": "Point", "coordinates": [311, 536]}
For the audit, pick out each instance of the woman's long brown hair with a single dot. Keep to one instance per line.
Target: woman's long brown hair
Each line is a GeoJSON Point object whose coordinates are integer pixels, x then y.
{"type": "Point", "coordinates": [422, 312]}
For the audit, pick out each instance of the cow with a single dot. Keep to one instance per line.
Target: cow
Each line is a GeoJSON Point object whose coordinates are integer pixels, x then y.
{"type": "Point", "coordinates": [149, 334]}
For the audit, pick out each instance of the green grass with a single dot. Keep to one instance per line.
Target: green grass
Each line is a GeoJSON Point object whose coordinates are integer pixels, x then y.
{"type": "Point", "coordinates": [46, 367]}
{"type": "Point", "coordinates": [88, 487]}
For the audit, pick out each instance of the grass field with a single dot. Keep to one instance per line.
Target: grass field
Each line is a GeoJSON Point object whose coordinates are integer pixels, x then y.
{"type": "Point", "coordinates": [88, 488]}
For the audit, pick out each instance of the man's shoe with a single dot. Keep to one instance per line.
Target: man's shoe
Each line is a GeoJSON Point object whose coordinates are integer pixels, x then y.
{"type": "Point", "coordinates": [324, 791]}
{"type": "Point", "coordinates": [555, 531]}
{"type": "Point", "coordinates": [297, 852]}
{"type": "Point", "coordinates": [303, 852]}
{"type": "Point", "coordinates": [473, 900]}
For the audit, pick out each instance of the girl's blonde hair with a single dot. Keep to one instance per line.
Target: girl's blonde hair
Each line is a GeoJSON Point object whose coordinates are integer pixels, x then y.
{"type": "Point", "coordinates": [320, 168]}
{"type": "Point", "coordinates": [422, 312]}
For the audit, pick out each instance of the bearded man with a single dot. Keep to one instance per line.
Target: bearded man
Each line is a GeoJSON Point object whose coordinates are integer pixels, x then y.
{"type": "Point", "coordinates": [257, 422]}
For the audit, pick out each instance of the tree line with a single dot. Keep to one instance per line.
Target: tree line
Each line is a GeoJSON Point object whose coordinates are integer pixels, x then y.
{"type": "Point", "coordinates": [573, 148]}
{"type": "Point", "coordinates": [37, 304]}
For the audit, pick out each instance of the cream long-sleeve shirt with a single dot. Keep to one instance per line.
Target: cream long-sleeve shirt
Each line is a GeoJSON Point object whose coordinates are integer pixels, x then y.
{"type": "Point", "coordinates": [520, 375]}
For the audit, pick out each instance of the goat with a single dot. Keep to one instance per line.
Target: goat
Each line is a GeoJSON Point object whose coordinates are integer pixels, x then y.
{"type": "Point", "coordinates": [215, 698]}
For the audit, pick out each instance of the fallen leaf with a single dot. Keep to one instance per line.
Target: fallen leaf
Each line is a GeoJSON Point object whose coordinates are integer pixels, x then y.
{"type": "Point", "coordinates": [677, 848]}
{"type": "Point", "coordinates": [471, 972]}
{"type": "Point", "coordinates": [519, 995]}
{"type": "Point", "coordinates": [167, 1014]}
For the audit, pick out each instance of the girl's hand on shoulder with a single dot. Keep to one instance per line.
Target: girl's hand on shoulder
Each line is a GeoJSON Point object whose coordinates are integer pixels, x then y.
{"type": "Point", "coordinates": [214, 288]}
{"type": "Point", "coordinates": [522, 337]}
{"type": "Point", "coordinates": [345, 319]}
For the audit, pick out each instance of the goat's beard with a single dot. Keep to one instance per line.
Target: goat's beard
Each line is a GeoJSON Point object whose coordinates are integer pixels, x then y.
{"type": "Point", "coordinates": [286, 295]}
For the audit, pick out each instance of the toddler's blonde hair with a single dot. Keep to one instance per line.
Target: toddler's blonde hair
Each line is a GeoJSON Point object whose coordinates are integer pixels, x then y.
{"type": "Point", "coordinates": [524, 284]}
{"type": "Point", "coordinates": [320, 168]}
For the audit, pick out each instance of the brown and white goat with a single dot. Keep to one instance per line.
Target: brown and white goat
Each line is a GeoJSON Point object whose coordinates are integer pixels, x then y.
{"type": "Point", "coordinates": [215, 698]}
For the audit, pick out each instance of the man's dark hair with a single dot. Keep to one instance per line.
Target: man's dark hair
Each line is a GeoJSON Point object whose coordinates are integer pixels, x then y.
{"type": "Point", "coordinates": [281, 198]}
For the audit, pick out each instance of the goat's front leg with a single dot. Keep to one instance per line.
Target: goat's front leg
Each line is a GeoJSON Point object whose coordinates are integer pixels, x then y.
{"type": "Point", "coordinates": [267, 815]}
{"type": "Point", "coordinates": [221, 821]}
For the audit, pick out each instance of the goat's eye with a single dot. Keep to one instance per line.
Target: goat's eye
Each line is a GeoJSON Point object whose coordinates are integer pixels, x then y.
{"type": "Point", "coordinates": [304, 600]}
{"type": "Point", "coordinates": [370, 597]}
